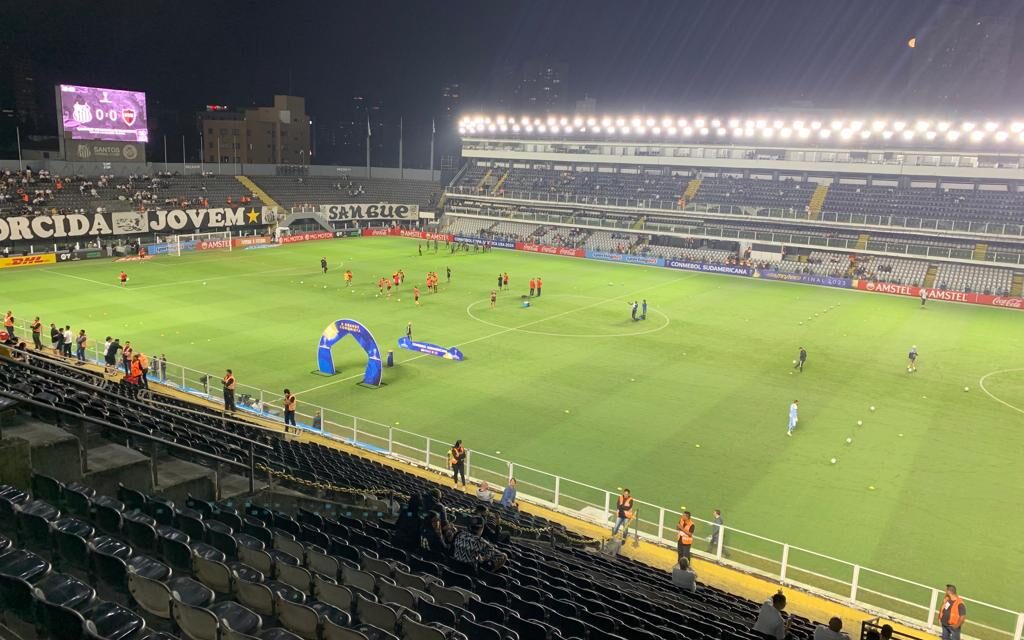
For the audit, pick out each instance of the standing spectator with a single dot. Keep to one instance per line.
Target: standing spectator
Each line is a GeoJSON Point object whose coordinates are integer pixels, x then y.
{"type": "Point", "coordinates": [771, 624]}
{"type": "Point", "coordinates": [952, 614]}
{"type": "Point", "coordinates": [318, 420]}
{"type": "Point", "coordinates": [9, 324]}
{"type": "Point", "coordinates": [67, 340]}
{"type": "Point", "coordinates": [540, 283]}
{"type": "Point", "coordinates": [110, 355]}
{"type": "Point", "coordinates": [684, 577]}
{"type": "Point", "coordinates": [716, 531]}
{"type": "Point", "coordinates": [55, 336]}
{"type": "Point", "coordinates": [508, 496]}
{"type": "Point", "coordinates": [533, 286]}
{"type": "Point", "coordinates": [834, 630]}
{"type": "Point", "coordinates": [229, 390]}
{"type": "Point", "coordinates": [624, 513]}
{"type": "Point", "coordinates": [144, 364]}
{"type": "Point", "coordinates": [126, 356]}
{"type": "Point", "coordinates": [289, 408]}
{"type": "Point", "coordinates": [81, 342]}
{"type": "Point", "coordinates": [886, 633]}
{"type": "Point", "coordinates": [457, 461]}
{"type": "Point", "coordinates": [37, 328]}
{"type": "Point", "coordinates": [684, 532]}
{"type": "Point", "coordinates": [162, 364]}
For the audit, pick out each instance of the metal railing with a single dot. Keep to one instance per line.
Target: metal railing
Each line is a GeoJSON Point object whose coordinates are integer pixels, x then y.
{"type": "Point", "coordinates": [851, 583]}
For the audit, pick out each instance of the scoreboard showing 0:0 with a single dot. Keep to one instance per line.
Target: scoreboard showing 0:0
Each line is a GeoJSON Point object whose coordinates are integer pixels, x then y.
{"type": "Point", "coordinates": [91, 113]}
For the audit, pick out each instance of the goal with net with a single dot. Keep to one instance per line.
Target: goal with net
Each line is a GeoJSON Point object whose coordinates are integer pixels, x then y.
{"type": "Point", "coordinates": [219, 240]}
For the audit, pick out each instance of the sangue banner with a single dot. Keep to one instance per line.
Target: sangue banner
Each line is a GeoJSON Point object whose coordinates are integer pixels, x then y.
{"type": "Point", "coordinates": [1007, 302]}
{"type": "Point", "coordinates": [379, 211]}
{"type": "Point", "coordinates": [78, 225]}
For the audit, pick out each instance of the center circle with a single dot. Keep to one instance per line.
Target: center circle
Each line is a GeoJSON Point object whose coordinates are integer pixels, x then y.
{"type": "Point", "coordinates": [981, 383]}
{"type": "Point", "coordinates": [522, 328]}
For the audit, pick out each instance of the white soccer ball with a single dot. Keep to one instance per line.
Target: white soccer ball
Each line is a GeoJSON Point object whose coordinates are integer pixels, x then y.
{"type": "Point", "coordinates": [849, 440]}
{"type": "Point", "coordinates": [302, 282]}
{"type": "Point", "coordinates": [833, 460]}
{"type": "Point", "coordinates": [860, 423]}
{"type": "Point", "coordinates": [872, 407]}
{"type": "Point", "coordinates": [399, 299]}
{"type": "Point", "coordinates": [794, 362]}
{"type": "Point", "coordinates": [204, 284]}
{"type": "Point", "coordinates": [967, 388]}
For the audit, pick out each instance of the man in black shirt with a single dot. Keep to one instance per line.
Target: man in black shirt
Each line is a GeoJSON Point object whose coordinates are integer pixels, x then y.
{"type": "Point", "coordinates": [323, 264]}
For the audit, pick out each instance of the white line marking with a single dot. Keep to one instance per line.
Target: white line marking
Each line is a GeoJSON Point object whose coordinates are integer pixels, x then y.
{"type": "Point", "coordinates": [507, 330]}
{"type": "Point", "coordinates": [170, 284]}
{"type": "Point", "coordinates": [981, 383]}
{"type": "Point", "coordinates": [570, 335]}
{"type": "Point", "coordinates": [68, 275]}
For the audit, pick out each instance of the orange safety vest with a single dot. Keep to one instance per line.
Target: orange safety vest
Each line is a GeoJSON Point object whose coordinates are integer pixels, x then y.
{"type": "Point", "coordinates": [8, 321]}
{"type": "Point", "coordinates": [626, 504]}
{"type": "Point", "coordinates": [143, 361]}
{"type": "Point", "coordinates": [455, 455]}
{"type": "Point", "coordinates": [953, 604]}
{"type": "Point", "coordinates": [289, 402]}
{"type": "Point", "coordinates": [229, 382]}
{"type": "Point", "coordinates": [685, 531]}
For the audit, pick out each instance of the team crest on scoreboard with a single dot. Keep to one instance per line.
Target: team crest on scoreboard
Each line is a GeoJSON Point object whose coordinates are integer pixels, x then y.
{"type": "Point", "coordinates": [128, 115]}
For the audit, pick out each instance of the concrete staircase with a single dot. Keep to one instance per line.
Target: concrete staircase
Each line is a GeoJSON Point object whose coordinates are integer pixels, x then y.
{"type": "Point", "coordinates": [639, 223]}
{"type": "Point", "coordinates": [817, 202]}
{"type": "Point", "coordinates": [497, 185]}
{"type": "Point", "coordinates": [483, 180]}
{"type": "Point", "coordinates": [980, 251]}
{"type": "Point", "coordinates": [930, 275]}
{"type": "Point", "coordinates": [1018, 284]}
{"type": "Point", "coordinates": [260, 193]}
{"type": "Point", "coordinates": [862, 242]}
{"type": "Point", "coordinates": [692, 187]}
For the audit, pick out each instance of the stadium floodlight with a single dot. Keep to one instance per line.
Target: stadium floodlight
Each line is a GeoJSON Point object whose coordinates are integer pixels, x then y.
{"type": "Point", "coordinates": [635, 122]}
{"type": "Point", "coordinates": [953, 136]}
{"type": "Point", "coordinates": [761, 124]}
{"type": "Point", "coordinates": [542, 128]}
{"type": "Point", "coordinates": [846, 134]}
{"type": "Point", "coordinates": [738, 132]}
{"type": "Point", "coordinates": [856, 125]}
{"type": "Point", "coordinates": [515, 128]}
{"type": "Point", "coordinates": [563, 121]}
{"type": "Point", "coordinates": [704, 131]}
{"type": "Point", "coordinates": [785, 132]}
{"type": "Point", "coordinates": [577, 122]}
{"type": "Point", "coordinates": [899, 125]}
{"type": "Point", "coordinates": [699, 122]}
{"type": "Point", "coordinates": [591, 122]}
{"type": "Point", "coordinates": [943, 126]}
{"type": "Point", "coordinates": [768, 132]}
{"type": "Point", "coordinates": [554, 128]}
{"type": "Point", "coordinates": [977, 136]}
{"type": "Point", "coordinates": [666, 122]}
{"type": "Point", "coordinates": [837, 125]}
{"type": "Point", "coordinates": [865, 134]}
{"type": "Point", "coordinates": [503, 127]}
{"type": "Point", "coordinates": [922, 125]}
{"type": "Point", "coordinates": [991, 126]}
{"type": "Point", "coordinates": [887, 134]}
{"type": "Point", "coordinates": [623, 130]}
{"type": "Point", "coordinates": [641, 130]}
{"type": "Point", "coordinates": [656, 131]}
{"type": "Point", "coordinates": [1017, 127]}
{"type": "Point", "coordinates": [815, 125]}
{"type": "Point", "coordinates": [682, 123]}
{"type": "Point", "coordinates": [778, 124]}
{"type": "Point", "coordinates": [529, 128]}
{"type": "Point", "coordinates": [1001, 136]}
{"type": "Point", "coordinates": [734, 123]}
{"type": "Point", "coordinates": [716, 123]}
{"type": "Point", "coordinates": [930, 135]}
{"type": "Point", "coordinates": [687, 131]}
{"type": "Point", "coordinates": [825, 133]}
{"type": "Point", "coordinates": [908, 135]}
{"type": "Point", "coordinates": [878, 125]}
{"type": "Point", "coordinates": [804, 133]}
{"type": "Point", "coordinates": [968, 126]}
{"type": "Point", "coordinates": [721, 131]}
{"type": "Point", "coordinates": [799, 124]}
{"type": "Point", "coordinates": [749, 124]}
{"type": "Point", "coordinates": [620, 122]}
{"type": "Point", "coordinates": [672, 131]}
{"type": "Point", "coordinates": [606, 121]}
{"type": "Point", "coordinates": [649, 122]}
{"type": "Point", "coordinates": [491, 128]}
{"type": "Point", "coordinates": [462, 131]}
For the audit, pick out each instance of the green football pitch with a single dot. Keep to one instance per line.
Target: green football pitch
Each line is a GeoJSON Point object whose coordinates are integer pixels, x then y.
{"type": "Point", "coordinates": [688, 407]}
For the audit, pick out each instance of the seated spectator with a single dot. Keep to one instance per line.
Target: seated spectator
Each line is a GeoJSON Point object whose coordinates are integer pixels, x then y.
{"type": "Point", "coordinates": [771, 624]}
{"type": "Point", "coordinates": [483, 492]}
{"type": "Point", "coordinates": [508, 496]}
{"type": "Point", "coordinates": [832, 632]}
{"type": "Point", "coordinates": [431, 501]}
{"type": "Point", "coordinates": [435, 537]}
{"type": "Point", "coordinates": [686, 578]}
{"type": "Point", "coordinates": [471, 552]}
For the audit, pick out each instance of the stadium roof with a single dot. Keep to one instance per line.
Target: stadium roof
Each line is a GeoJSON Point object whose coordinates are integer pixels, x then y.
{"type": "Point", "coordinates": [990, 135]}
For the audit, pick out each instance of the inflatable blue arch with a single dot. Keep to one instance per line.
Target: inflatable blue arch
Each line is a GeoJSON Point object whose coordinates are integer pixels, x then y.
{"type": "Point", "coordinates": [338, 330]}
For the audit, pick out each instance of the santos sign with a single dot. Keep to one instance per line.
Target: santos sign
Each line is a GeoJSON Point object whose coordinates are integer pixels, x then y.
{"type": "Point", "coordinates": [381, 211]}
{"type": "Point", "coordinates": [77, 225]}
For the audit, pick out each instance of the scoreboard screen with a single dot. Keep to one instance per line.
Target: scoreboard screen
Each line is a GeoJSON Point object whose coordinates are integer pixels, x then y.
{"type": "Point", "coordinates": [92, 113]}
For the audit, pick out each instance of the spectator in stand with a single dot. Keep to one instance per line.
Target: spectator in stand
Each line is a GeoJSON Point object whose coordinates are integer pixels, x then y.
{"type": "Point", "coordinates": [81, 342]}
{"type": "Point", "coordinates": [471, 552]}
{"type": "Point", "coordinates": [834, 630]}
{"type": "Point", "coordinates": [684, 577]}
{"type": "Point", "coordinates": [484, 492]}
{"type": "Point", "coordinates": [771, 623]}
{"type": "Point", "coordinates": [67, 339]}
{"type": "Point", "coordinates": [952, 614]}
{"type": "Point", "coordinates": [508, 496]}
{"type": "Point", "coordinates": [434, 535]}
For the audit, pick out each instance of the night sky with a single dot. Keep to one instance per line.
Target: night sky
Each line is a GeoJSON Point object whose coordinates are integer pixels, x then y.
{"type": "Point", "coordinates": [636, 55]}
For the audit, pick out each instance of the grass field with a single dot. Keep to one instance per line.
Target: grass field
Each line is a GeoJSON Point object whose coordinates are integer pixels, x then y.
{"type": "Point", "coordinates": [573, 386]}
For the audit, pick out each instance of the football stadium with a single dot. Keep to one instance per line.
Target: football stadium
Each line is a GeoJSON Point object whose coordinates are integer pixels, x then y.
{"type": "Point", "coordinates": [684, 371]}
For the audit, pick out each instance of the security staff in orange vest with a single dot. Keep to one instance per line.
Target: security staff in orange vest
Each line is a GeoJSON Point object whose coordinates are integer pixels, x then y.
{"type": "Point", "coordinates": [953, 614]}
{"type": "Point", "coordinates": [289, 408]}
{"type": "Point", "coordinates": [684, 538]}
{"type": "Point", "coordinates": [229, 391]}
{"type": "Point", "coordinates": [457, 461]}
{"type": "Point", "coordinates": [624, 513]}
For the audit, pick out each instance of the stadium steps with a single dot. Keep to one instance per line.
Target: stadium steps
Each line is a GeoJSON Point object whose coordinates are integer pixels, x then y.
{"type": "Point", "coordinates": [483, 180]}
{"type": "Point", "coordinates": [260, 193]}
{"type": "Point", "coordinates": [931, 275]}
{"type": "Point", "coordinates": [639, 224]}
{"type": "Point", "coordinates": [497, 185]}
{"type": "Point", "coordinates": [1018, 284]}
{"type": "Point", "coordinates": [691, 190]}
{"type": "Point", "coordinates": [817, 202]}
{"type": "Point", "coordinates": [980, 251]}
{"type": "Point", "coordinates": [862, 242]}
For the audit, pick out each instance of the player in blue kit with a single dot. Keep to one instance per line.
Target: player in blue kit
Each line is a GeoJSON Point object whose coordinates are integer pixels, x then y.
{"type": "Point", "coordinates": [793, 418]}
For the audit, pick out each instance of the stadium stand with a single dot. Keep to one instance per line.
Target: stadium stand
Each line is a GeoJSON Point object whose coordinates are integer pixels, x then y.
{"type": "Point", "coordinates": [746, 192]}
{"type": "Point", "coordinates": [948, 204]}
{"type": "Point", "coordinates": [123, 562]}
{"type": "Point", "coordinates": [313, 190]}
{"type": "Point", "coordinates": [962, 277]}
